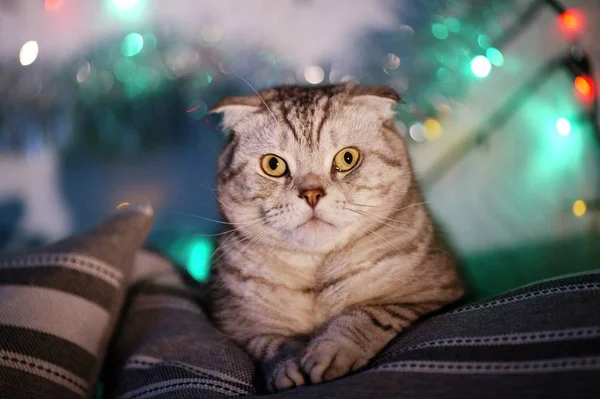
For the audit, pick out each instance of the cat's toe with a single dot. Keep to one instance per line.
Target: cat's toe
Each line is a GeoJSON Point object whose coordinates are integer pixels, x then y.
{"type": "Point", "coordinates": [328, 360]}
{"type": "Point", "coordinates": [286, 374]}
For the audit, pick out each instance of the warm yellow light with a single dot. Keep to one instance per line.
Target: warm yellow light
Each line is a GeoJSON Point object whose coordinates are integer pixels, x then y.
{"type": "Point", "coordinates": [123, 205]}
{"type": "Point", "coordinates": [579, 208]}
{"type": "Point", "coordinates": [433, 129]}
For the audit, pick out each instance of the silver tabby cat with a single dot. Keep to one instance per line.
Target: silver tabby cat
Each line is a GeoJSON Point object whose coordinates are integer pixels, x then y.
{"type": "Point", "coordinates": [332, 251]}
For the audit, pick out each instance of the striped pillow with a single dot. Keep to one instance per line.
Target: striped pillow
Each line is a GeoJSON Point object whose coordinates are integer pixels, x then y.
{"type": "Point", "coordinates": [58, 307]}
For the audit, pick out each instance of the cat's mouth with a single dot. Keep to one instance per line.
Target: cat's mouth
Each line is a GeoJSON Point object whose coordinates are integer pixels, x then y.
{"type": "Point", "coordinates": [315, 222]}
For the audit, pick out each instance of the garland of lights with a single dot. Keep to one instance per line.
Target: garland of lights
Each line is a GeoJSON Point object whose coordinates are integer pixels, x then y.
{"type": "Point", "coordinates": [576, 61]}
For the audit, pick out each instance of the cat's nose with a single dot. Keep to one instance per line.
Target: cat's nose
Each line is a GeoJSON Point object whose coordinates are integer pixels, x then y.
{"type": "Point", "coordinates": [312, 196]}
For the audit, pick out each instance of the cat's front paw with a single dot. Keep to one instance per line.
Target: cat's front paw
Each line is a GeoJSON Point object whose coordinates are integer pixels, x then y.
{"type": "Point", "coordinates": [326, 359]}
{"type": "Point", "coordinates": [284, 374]}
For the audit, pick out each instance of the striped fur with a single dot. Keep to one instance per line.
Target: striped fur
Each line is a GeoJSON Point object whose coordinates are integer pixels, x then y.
{"type": "Point", "coordinates": [346, 284]}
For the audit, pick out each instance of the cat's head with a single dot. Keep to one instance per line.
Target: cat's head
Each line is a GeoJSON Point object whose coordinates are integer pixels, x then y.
{"type": "Point", "coordinates": [304, 165]}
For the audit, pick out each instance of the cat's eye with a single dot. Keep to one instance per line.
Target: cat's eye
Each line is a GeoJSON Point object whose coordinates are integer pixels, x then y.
{"type": "Point", "coordinates": [273, 165]}
{"type": "Point", "coordinates": [346, 159]}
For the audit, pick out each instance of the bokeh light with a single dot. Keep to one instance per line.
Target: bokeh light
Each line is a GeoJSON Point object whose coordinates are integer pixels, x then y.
{"type": "Point", "coordinates": [453, 24]}
{"type": "Point", "coordinates": [53, 5]}
{"type": "Point", "coordinates": [563, 126]}
{"type": "Point", "coordinates": [417, 132]}
{"type": "Point", "coordinates": [124, 5]}
{"type": "Point", "coordinates": [433, 129]}
{"type": "Point", "coordinates": [579, 208]}
{"type": "Point", "coordinates": [211, 34]}
{"type": "Point", "coordinates": [314, 74]}
{"type": "Point", "coordinates": [571, 21]}
{"type": "Point", "coordinates": [197, 109]}
{"type": "Point", "coordinates": [439, 31]}
{"type": "Point", "coordinates": [481, 66]}
{"type": "Point", "coordinates": [585, 87]}
{"type": "Point", "coordinates": [495, 56]}
{"type": "Point", "coordinates": [28, 53]}
{"type": "Point", "coordinates": [392, 61]}
{"type": "Point", "coordinates": [132, 44]}
{"type": "Point", "coordinates": [484, 41]}
{"type": "Point", "coordinates": [198, 263]}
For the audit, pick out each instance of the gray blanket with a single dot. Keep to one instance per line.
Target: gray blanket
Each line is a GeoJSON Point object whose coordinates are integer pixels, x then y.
{"type": "Point", "coordinates": [96, 314]}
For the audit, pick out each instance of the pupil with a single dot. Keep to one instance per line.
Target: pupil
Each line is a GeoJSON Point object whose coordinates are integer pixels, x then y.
{"type": "Point", "coordinates": [273, 163]}
{"type": "Point", "coordinates": [348, 158]}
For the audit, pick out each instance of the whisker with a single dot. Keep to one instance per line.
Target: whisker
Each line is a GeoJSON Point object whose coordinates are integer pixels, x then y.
{"type": "Point", "coordinates": [259, 96]}
{"type": "Point", "coordinates": [399, 228]}
{"type": "Point", "coordinates": [383, 238]}
{"type": "Point", "coordinates": [376, 217]}
{"type": "Point", "coordinates": [244, 223]}
{"type": "Point", "coordinates": [369, 206]}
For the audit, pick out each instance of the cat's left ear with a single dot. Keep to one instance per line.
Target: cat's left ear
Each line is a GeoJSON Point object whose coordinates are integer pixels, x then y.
{"type": "Point", "coordinates": [381, 98]}
{"type": "Point", "coordinates": [235, 109]}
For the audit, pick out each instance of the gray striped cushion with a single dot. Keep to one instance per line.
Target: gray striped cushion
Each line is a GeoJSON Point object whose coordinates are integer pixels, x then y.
{"type": "Point", "coordinates": [541, 341]}
{"type": "Point", "coordinates": [58, 307]}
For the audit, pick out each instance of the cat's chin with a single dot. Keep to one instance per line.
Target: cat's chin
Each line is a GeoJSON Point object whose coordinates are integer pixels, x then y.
{"type": "Point", "coordinates": [315, 234]}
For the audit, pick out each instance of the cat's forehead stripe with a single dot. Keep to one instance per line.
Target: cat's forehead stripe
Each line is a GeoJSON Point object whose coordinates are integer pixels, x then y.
{"type": "Point", "coordinates": [300, 106]}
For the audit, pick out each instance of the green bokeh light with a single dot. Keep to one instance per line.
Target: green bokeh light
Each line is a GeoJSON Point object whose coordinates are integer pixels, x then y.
{"type": "Point", "coordinates": [125, 5]}
{"type": "Point", "coordinates": [125, 70]}
{"type": "Point", "coordinates": [453, 24]}
{"type": "Point", "coordinates": [132, 44]}
{"type": "Point", "coordinates": [495, 56]}
{"type": "Point", "coordinates": [563, 126]}
{"type": "Point", "coordinates": [484, 41]}
{"type": "Point", "coordinates": [197, 109]}
{"type": "Point", "coordinates": [198, 262]}
{"type": "Point", "coordinates": [481, 66]}
{"type": "Point", "coordinates": [439, 31]}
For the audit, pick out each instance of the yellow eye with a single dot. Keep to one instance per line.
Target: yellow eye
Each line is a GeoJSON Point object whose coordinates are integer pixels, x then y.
{"type": "Point", "coordinates": [346, 159]}
{"type": "Point", "coordinates": [273, 165]}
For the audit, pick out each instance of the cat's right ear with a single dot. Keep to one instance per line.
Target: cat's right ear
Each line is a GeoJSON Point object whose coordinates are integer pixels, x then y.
{"type": "Point", "coordinates": [235, 109]}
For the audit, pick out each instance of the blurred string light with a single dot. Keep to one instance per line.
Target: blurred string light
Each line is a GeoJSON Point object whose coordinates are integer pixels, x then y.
{"type": "Point", "coordinates": [571, 21]}
{"type": "Point", "coordinates": [484, 41]}
{"type": "Point", "coordinates": [417, 132]}
{"type": "Point", "coordinates": [481, 66]}
{"type": "Point", "coordinates": [433, 129]}
{"type": "Point", "coordinates": [194, 253]}
{"type": "Point", "coordinates": [452, 24]}
{"type": "Point", "coordinates": [132, 44]}
{"type": "Point", "coordinates": [585, 87]}
{"type": "Point", "coordinates": [125, 5]}
{"type": "Point", "coordinates": [197, 109]}
{"type": "Point", "coordinates": [123, 205]}
{"type": "Point", "coordinates": [495, 56]}
{"type": "Point", "coordinates": [314, 74]}
{"type": "Point", "coordinates": [199, 258]}
{"type": "Point", "coordinates": [126, 9]}
{"type": "Point", "coordinates": [211, 35]}
{"type": "Point", "coordinates": [53, 5]}
{"type": "Point", "coordinates": [28, 53]}
{"type": "Point", "coordinates": [579, 208]}
{"type": "Point", "coordinates": [563, 126]}
{"type": "Point", "coordinates": [392, 61]}
{"type": "Point", "coordinates": [439, 31]}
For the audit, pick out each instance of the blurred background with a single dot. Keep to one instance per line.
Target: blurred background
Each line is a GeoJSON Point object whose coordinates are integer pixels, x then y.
{"type": "Point", "coordinates": [104, 102]}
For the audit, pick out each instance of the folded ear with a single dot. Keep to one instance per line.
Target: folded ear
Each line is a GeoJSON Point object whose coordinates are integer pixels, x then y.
{"type": "Point", "coordinates": [381, 98]}
{"type": "Point", "coordinates": [234, 109]}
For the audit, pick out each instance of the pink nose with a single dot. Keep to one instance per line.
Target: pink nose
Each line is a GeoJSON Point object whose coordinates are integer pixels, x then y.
{"type": "Point", "coordinates": [312, 196]}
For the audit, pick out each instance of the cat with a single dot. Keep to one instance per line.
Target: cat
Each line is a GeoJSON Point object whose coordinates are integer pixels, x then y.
{"type": "Point", "coordinates": [332, 251]}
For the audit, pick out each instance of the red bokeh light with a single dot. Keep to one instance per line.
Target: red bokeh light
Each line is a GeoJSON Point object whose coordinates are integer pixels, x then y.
{"type": "Point", "coordinates": [571, 21]}
{"type": "Point", "coordinates": [53, 5]}
{"type": "Point", "coordinates": [585, 87]}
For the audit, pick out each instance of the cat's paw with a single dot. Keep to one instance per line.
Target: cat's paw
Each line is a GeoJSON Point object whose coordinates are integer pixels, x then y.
{"type": "Point", "coordinates": [286, 373]}
{"type": "Point", "coordinates": [325, 360]}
